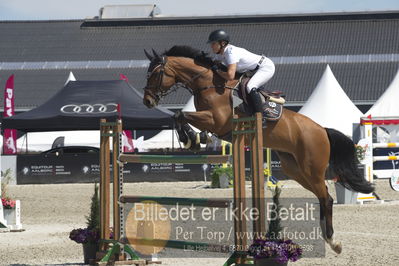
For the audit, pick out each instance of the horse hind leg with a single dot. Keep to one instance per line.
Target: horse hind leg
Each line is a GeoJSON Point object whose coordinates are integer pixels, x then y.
{"type": "Point", "coordinates": [319, 189]}
{"type": "Point", "coordinates": [291, 168]}
{"type": "Point", "coordinates": [326, 216]}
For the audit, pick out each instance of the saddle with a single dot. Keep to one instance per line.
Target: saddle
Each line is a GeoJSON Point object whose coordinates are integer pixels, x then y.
{"type": "Point", "coordinates": [272, 100]}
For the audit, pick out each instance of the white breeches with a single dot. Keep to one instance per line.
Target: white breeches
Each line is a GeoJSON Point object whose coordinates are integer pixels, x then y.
{"type": "Point", "coordinates": [262, 75]}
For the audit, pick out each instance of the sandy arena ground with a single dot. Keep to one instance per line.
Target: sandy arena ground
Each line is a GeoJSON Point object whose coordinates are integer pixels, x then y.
{"type": "Point", "coordinates": [369, 233]}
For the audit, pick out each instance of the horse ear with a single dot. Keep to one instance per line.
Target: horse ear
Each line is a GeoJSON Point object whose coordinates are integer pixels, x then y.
{"type": "Point", "coordinates": [150, 57]}
{"type": "Point", "coordinates": [155, 54]}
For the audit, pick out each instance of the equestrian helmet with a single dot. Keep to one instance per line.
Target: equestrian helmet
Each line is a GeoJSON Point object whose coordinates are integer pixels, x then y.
{"type": "Point", "coordinates": [218, 36]}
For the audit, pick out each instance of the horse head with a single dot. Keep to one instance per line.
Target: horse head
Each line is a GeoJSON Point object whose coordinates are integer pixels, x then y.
{"type": "Point", "coordinates": [160, 78]}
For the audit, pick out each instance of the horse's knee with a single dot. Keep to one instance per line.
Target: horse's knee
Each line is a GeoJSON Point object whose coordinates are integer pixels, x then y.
{"type": "Point", "coordinates": [179, 117]}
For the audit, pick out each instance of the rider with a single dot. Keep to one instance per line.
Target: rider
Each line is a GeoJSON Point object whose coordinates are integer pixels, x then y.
{"type": "Point", "coordinates": [240, 60]}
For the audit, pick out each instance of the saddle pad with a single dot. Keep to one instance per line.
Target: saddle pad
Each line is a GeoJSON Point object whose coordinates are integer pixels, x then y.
{"type": "Point", "coordinates": [272, 111]}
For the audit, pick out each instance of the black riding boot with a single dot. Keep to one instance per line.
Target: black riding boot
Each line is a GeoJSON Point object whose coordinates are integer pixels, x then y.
{"type": "Point", "coordinates": [256, 101]}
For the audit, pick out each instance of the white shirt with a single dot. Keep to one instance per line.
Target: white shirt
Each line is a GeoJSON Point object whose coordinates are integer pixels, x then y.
{"type": "Point", "coordinates": [244, 59]}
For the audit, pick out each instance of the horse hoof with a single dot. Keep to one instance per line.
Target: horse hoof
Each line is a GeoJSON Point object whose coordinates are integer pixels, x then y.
{"type": "Point", "coordinates": [188, 144]}
{"type": "Point", "coordinates": [197, 139]}
{"type": "Point", "coordinates": [204, 138]}
{"type": "Point", "coordinates": [337, 247]}
{"type": "Point", "coordinates": [179, 116]}
{"type": "Point", "coordinates": [197, 147]}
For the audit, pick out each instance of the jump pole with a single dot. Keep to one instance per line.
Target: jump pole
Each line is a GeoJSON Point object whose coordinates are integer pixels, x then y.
{"type": "Point", "coordinates": [105, 180]}
{"type": "Point", "coordinates": [258, 178]}
{"type": "Point", "coordinates": [117, 179]}
{"type": "Point", "coordinates": [114, 130]}
{"type": "Point", "coordinates": [187, 159]}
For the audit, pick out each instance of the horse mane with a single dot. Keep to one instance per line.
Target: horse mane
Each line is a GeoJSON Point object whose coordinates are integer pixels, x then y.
{"type": "Point", "coordinates": [183, 51]}
{"type": "Point", "coordinates": [200, 57]}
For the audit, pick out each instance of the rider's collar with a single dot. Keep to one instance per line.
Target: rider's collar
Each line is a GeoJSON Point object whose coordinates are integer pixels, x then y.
{"type": "Point", "coordinates": [222, 50]}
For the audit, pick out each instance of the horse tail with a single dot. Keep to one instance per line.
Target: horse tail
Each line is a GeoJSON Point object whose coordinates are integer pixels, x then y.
{"type": "Point", "coordinates": [343, 162]}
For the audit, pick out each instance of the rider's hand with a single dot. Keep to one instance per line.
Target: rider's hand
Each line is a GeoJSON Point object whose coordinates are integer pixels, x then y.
{"type": "Point", "coordinates": [214, 68]}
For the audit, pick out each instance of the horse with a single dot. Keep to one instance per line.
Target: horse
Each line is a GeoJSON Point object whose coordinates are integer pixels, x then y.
{"type": "Point", "coordinates": [306, 149]}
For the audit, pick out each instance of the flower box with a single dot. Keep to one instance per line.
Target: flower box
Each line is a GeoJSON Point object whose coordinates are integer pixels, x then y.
{"type": "Point", "coordinates": [13, 216]}
{"type": "Point", "coordinates": [89, 252]}
{"type": "Point", "coordinates": [9, 216]}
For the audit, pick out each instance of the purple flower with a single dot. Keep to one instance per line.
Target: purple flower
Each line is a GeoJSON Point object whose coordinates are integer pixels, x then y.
{"type": "Point", "coordinates": [281, 250]}
{"type": "Point", "coordinates": [84, 235]}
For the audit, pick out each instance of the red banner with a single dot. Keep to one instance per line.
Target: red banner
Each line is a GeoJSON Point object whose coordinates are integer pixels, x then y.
{"type": "Point", "coordinates": [127, 134]}
{"type": "Point", "coordinates": [9, 135]}
{"type": "Point", "coordinates": [123, 77]}
{"type": "Point", "coordinates": [127, 141]}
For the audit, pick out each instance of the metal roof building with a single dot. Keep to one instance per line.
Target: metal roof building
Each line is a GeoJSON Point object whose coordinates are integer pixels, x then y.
{"type": "Point", "coordinates": [361, 48]}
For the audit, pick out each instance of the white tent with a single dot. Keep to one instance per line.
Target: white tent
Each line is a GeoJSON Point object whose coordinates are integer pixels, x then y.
{"type": "Point", "coordinates": [162, 140]}
{"type": "Point", "coordinates": [386, 109]}
{"type": "Point", "coordinates": [71, 77]}
{"type": "Point", "coordinates": [165, 138]}
{"type": "Point", "coordinates": [387, 105]}
{"type": "Point", "coordinates": [329, 105]}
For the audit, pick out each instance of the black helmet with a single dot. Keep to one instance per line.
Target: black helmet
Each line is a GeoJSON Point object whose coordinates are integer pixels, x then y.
{"type": "Point", "coordinates": [218, 35]}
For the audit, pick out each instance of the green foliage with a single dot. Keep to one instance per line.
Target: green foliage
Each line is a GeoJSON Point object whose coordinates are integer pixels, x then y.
{"type": "Point", "coordinates": [219, 171]}
{"type": "Point", "coordinates": [275, 228]}
{"type": "Point", "coordinates": [93, 220]}
{"type": "Point", "coordinates": [5, 180]}
{"type": "Point", "coordinates": [360, 152]}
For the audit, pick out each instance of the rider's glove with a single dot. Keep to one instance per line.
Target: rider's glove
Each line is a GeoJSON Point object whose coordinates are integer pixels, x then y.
{"type": "Point", "coordinates": [214, 68]}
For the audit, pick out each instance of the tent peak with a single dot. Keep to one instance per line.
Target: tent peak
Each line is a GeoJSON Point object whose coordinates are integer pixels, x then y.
{"type": "Point", "coordinates": [386, 105]}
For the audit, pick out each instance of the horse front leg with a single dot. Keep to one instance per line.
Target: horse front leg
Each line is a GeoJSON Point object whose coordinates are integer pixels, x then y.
{"type": "Point", "coordinates": [187, 135]}
{"type": "Point", "coordinates": [202, 120]}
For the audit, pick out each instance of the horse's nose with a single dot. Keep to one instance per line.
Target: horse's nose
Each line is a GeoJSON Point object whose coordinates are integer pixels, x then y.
{"type": "Point", "coordinates": [147, 102]}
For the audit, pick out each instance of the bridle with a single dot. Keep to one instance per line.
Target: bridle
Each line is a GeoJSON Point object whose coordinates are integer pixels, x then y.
{"type": "Point", "coordinates": [159, 93]}
{"type": "Point", "coordinates": [158, 88]}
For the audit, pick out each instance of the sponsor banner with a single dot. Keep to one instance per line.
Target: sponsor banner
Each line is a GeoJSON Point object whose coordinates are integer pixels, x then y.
{"type": "Point", "coordinates": [395, 181]}
{"type": "Point", "coordinates": [83, 168]}
{"type": "Point", "coordinates": [9, 135]}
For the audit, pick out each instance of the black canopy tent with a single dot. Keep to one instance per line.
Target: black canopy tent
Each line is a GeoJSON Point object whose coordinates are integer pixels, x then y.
{"type": "Point", "coordinates": [80, 105]}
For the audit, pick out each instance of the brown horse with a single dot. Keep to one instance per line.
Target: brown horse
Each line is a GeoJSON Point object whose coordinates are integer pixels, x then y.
{"type": "Point", "coordinates": [305, 148]}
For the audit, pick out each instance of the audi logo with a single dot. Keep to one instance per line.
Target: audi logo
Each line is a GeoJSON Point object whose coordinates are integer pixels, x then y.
{"type": "Point", "coordinates": [97, 108]}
